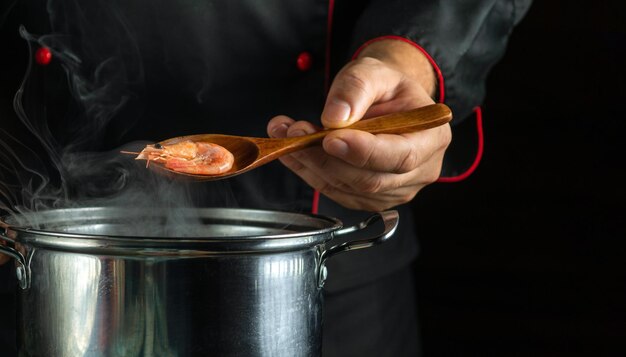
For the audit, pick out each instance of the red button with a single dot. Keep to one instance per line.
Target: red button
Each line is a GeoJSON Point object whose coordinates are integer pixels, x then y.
{"type": "Point", "coordinates": [43, 56]}
{"type": "Point", "coordinates": [304, 61]}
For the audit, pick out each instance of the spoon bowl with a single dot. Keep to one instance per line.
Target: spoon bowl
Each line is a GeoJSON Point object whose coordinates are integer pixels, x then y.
{"type": "Point", "coordinates": [252, 152]}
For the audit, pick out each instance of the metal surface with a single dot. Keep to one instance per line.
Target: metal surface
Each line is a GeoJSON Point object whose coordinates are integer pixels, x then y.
{"type": "Point", "coordinates": [389, 219]}
{"type": "Point", "coordinates": [106, 294]}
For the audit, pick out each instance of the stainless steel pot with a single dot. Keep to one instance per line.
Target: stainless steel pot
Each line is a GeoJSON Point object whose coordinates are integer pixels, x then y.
{"type": "Point", "coordinates": [207, 282]}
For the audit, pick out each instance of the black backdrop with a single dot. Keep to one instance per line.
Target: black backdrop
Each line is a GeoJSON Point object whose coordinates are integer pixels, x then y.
{"type": "Point", "coordinates": [525, 257]}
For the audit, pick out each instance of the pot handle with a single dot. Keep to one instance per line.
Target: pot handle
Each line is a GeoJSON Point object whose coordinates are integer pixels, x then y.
{"type": "Point", "coordinates": [22, 271]}
{"type": "Point", "coordinates": [390, 221]}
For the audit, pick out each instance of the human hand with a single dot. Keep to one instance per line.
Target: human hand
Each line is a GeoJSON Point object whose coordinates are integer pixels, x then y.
{"type": "Point", "coordinates": [360, 170]}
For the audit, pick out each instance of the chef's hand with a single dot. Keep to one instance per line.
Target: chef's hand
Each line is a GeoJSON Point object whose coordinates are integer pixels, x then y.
{"type": "Point", "coordinates": [360, 170]}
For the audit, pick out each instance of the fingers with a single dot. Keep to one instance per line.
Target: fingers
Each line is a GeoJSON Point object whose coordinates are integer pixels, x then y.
{"type": "Point", "coordinates": [278, 125]}
{"type": "Point", "coordinates": [387, 153]}
{"type": "Point", "coordinates": [357, 161]}
{"type": "Point", "coordinates": [281, 126]}
{"type": "Point", "coordinates": [351, 187]}
{"type": "Point", "coordinates": [365, 201]}
{"type": "Point", "coordinates": [355, 88]}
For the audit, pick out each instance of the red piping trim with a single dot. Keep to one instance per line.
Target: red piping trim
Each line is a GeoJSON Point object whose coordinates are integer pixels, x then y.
{"type": "Point", "coordinates": [420, 48]}
{"type": "Point", "coordinates": [479, 151]}
{"type": "Point", "coordinates": [316, 202]}
{"type": "Point", "coordinates": [329, 30]}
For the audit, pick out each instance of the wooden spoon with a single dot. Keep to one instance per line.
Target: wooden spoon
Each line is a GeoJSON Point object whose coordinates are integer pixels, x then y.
{"type": "Point", "coordinates": [252, 152]}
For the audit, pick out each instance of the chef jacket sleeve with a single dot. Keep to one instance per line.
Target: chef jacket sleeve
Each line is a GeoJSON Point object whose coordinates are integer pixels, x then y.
{"type": "Point", "coordinates": [463, 38]}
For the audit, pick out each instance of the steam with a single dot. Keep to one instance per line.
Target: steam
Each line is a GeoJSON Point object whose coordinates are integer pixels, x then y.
{"type": "Point", "coordinates": [100, 56]}
{"type": "Point", "coordinates": [71, 157]}
{"type": "Point", "coordinates": [69, 170]}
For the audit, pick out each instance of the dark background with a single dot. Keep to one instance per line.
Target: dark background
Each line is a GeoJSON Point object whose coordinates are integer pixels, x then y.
{"type": "Point", "coordinates": [525, 257]}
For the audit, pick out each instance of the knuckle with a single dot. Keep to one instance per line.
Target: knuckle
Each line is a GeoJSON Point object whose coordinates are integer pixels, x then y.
{"type": "Point", "coordinates": [328, 171]}
{"type": "Point", "coordinates": [369, 61]}
{"type": "Point", "coordinates": [336, 184]}
{"type": "Point", "coordinates": [407, 197]}
{"type": "Point", "coordinates": [446, 136]}
{"type": "Point", "coordinates": [368, 184]}
{"type": "Point", "coordinates": [325, 164]}
{"type": "Point", "coordinates": [326, 188]}
{"type": "Point", "coordinates": [368, 156]}
{"type": "Point", "coordinates": [408, 162]}
{"type": "Point", "coordinates": [354, 78]}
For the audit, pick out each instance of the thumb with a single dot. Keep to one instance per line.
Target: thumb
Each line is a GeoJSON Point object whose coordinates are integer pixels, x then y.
{"type": "Point", "coordinates": [355, 88]}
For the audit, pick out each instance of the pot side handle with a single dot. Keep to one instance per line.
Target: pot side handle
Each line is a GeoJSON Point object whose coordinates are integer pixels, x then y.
{"type": "Point", "coordinates": [390, 221]}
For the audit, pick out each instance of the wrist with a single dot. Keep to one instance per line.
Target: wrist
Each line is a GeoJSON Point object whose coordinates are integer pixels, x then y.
{"type": "Point", "coordinates": [404, 57]}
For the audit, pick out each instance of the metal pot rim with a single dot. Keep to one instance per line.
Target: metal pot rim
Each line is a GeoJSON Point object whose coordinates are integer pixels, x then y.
{"type": "Point", "coordinates": [305, 230]}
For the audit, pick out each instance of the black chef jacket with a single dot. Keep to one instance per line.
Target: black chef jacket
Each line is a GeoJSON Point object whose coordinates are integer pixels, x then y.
{"type": "Point", "coordinates": [149, 70]}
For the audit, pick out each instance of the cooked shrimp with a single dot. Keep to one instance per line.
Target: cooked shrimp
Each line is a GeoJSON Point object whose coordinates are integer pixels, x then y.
{"type": "Point", "coordinates": [190, 157]}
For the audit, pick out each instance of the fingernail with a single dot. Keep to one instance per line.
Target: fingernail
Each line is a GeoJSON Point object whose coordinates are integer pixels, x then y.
{"type": "Point", "coordinates": [280, 131]}
{"type": "Point", "coordinates": [298, 132]}
{"type": "Point", "coordinates": [336, 111]}
{"type": "Point", "coordinates": [337, 147]}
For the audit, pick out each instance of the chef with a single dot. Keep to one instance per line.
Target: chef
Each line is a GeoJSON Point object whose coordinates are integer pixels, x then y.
{"type": "Point", "coordinates": [151, 70]}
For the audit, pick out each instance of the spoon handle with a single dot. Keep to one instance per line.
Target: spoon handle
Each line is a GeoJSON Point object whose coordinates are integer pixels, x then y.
{"type": "Point", "coordinates": [397, 123]}
{"type": "Point", "coordinates": [406, 122]}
